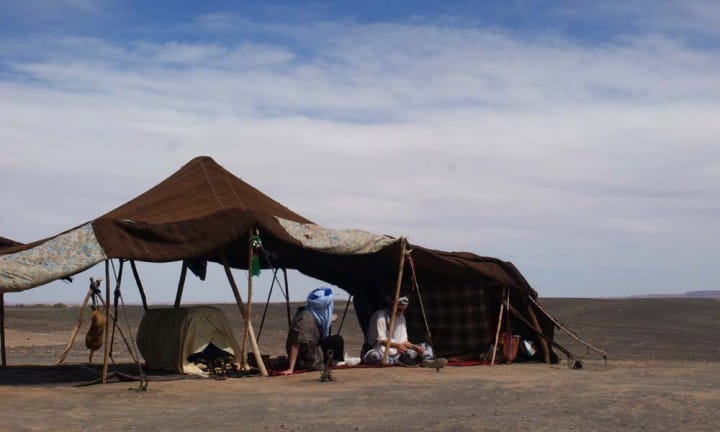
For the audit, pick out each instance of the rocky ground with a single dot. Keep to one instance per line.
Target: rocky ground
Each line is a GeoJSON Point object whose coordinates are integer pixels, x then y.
{"type": "Point", "coordinates": [661, 375]}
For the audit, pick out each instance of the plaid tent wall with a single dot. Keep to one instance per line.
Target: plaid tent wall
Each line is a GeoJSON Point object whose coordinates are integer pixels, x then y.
{"type": "Point", "coordinates": [458, 314]}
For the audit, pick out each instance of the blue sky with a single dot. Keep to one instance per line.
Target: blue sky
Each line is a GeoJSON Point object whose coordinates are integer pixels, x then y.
{"type": "Point", "coordinates": [577, 140]}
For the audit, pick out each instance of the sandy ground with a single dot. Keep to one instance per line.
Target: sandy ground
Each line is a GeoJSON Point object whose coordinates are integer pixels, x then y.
{"type": "Point", "coordinates": [662, 375]}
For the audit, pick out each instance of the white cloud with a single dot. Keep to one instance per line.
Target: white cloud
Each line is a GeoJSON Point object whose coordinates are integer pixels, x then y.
{"type": "Point", "coordinates": [564, 157]}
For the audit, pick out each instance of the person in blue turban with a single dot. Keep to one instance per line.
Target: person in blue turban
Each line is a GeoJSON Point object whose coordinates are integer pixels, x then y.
{"type": "Point", "coordinates": [309, 337]}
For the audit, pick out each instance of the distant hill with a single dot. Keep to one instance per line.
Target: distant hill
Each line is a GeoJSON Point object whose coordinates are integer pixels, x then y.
{"type": "Point", "coordinates": [715, 294]}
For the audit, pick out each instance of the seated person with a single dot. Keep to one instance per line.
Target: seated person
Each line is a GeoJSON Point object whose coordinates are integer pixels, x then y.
{"type": "Point", "coordinates": [400, 349]}
{"type": "Point", "coordinates": [309, 338]}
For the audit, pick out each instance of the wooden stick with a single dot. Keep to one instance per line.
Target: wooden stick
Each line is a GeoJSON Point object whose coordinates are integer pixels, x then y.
{"type": "Point", "coordinates": [119, 329]}
{"type": "Point", "coordinates": [563, 328]}
{"type": "Point", "coordinates": [287, 297]}
{"type": "Point", "coordinates": [75, 331]}
{"type": "Point", "coordinates": [181, 284]}
{"type": "Point", "coordinates": [118, 283]}
{"type": "Point", "coordinates": [398, 284]}
{"type": "Point", "coordinates": [243, 312]}
{"type": "Point", "coordinates": [248, 318]}
{"type": "Point", "coordinates": [107, 320]}
{"type": "Point", "coordinates": [139, 284]}
{"type": "Point", "coordinates": [497, 330]}
{"type": "Point", "coordinates": [2, 329]}
{"type": "Point", "coordinates": [543, 342]}
{"type": "Point", "coordinates": [542, 335]}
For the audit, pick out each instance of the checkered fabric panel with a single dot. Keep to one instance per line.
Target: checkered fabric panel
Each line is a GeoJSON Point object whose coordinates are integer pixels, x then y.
{"type": "Point", "coordinates": [458, 315]}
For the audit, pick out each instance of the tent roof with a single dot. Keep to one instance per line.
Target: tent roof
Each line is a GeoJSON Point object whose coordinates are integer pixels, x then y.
{"type": "Point", "coordinates": [7, 243]}
{"type": "Point", "coordinates": [198, 209]}
{"type": "Point", "coordinates": [202, 211]}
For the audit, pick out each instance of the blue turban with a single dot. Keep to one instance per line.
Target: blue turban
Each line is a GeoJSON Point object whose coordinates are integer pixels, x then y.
{"type": "Point", "coordinates": [320, 304]}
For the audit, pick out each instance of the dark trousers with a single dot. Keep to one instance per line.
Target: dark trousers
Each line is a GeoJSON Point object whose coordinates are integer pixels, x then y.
{"type": "Point", "coordinates": [336, 343]}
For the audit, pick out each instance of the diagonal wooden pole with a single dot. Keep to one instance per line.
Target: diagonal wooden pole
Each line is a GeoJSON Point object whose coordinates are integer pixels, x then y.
{"type": "Point", "coordinates": [139, 284]}
{"type": "Point", "coordinates": [118, 283]}
{"type": "Point", "coordinates": [542, 335]}
{"type": "Point", "coordinates": [566, 330]}
{"type": "Point", "coordinates": [74, 333]}
{"type": "Point", "coordinates": [398, 284]}
{"type": "Point", "coordinates": [115, 317]}
{"type": "Point", "coordinates": [181, 284]}
{"type": "Point", "coordinates": [243, 312]}
{"type": "Point", "coordinates": [543, 343]}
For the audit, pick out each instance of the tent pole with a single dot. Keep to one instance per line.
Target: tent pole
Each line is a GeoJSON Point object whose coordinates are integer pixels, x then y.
{"type": "Point", "coordinates": [543, 342]}
{"type": "Point", "coordinates": [568, 332]}
{"type": "Point", "coordinates": [181, 284]}
{"type": "Point", "coordinates": [118, 282]}
{"type": "Point", "coordinates": [287, 296]}
{"type": "Point", "coordinates": [347, 306]}
{"type": "Point", "coordinates": [114, 317]}
{"type": "Point", "coordinates": [139, 284]}
{"type": "Point", "coordinates": [497, 331]}
{"type": "Point", "coordinates": [542, 335]}
{"type": "Point", "coordinates": [74, 333]}
{"type": "Point", "coordinates": [248, 317]}
{"type": "Point", "coordinates": [2, 329]}
{"type": "Point", "coordinates": [243, 312]}
{"type": "Point", "coordinates": [107, 320]}
{"type": "Point", "coordinates": [398, 284]}
{"type": "Point", "coordinates": [267, 303]}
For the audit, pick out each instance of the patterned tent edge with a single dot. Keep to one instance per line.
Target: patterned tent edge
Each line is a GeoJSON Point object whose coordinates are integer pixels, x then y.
{"type": "Point", "coordinates": [56, 258]}
{"type": "Point", "coordinates": [339, 242]}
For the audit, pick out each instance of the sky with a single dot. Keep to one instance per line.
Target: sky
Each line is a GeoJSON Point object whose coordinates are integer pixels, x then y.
{"type": "Point", "coordinates": [578, 140]}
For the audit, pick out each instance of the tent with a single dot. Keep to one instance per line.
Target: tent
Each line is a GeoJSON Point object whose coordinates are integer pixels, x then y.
{"type": "Point", "coordinates": [5, 243]}
{"type": "Point", "coordinates": [203, 213]}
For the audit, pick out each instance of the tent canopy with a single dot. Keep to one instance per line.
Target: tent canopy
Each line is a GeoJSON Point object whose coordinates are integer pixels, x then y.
{"type": "Point", "coordinates": [202, 210]}
{"type": "Point", "coordinates": [204, 213]}
{"type": "Point", "coordinates": [7, 243]}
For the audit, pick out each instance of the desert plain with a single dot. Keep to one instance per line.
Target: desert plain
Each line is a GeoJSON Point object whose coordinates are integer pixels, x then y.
{"type": "Point", "coordinates": [662, 374]}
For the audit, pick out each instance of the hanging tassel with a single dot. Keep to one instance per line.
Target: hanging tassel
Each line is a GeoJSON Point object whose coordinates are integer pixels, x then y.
{"type": "Point", "coordinates": [256, 244]}
{"type": "Point", "coordinates": [255, 268]}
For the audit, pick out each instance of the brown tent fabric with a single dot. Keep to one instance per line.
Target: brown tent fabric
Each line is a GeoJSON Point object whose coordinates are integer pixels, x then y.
{"type": "Point", "coordinates": [7, 243]}
{"type": "Point", "coordinates": [199, 209]}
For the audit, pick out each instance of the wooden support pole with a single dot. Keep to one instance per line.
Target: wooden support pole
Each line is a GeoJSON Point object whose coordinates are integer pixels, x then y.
{"type": "Point", "coordinates": [139, 284]}
{"type": "Point", "coordinates": [287, 297]}
{"type": "Point", "coordinates": [114, 317]}
{"type": "Point", "coordinates": [248, 318]}
{"type": "Point", "coordinates": [116, 296]}
{"type": "Point", "coordinates": [542, 335]}
{"type": "Point", "coordinates": [543, 342]}
{"type": "Point", "coordinates": [497, 330]}
{"type": "Point", "coordinates": [106, 356]}
{"type": "Point", "coordinates": [568, 332]}
{"type": "Point", "coordinates": [243, 312]}
{"type": "Point", "coordinates": [181, 284]}
{"type": "Point", "coordinates": [398, 285]}
{"type": "Point", "coordinates": [2, 329]}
